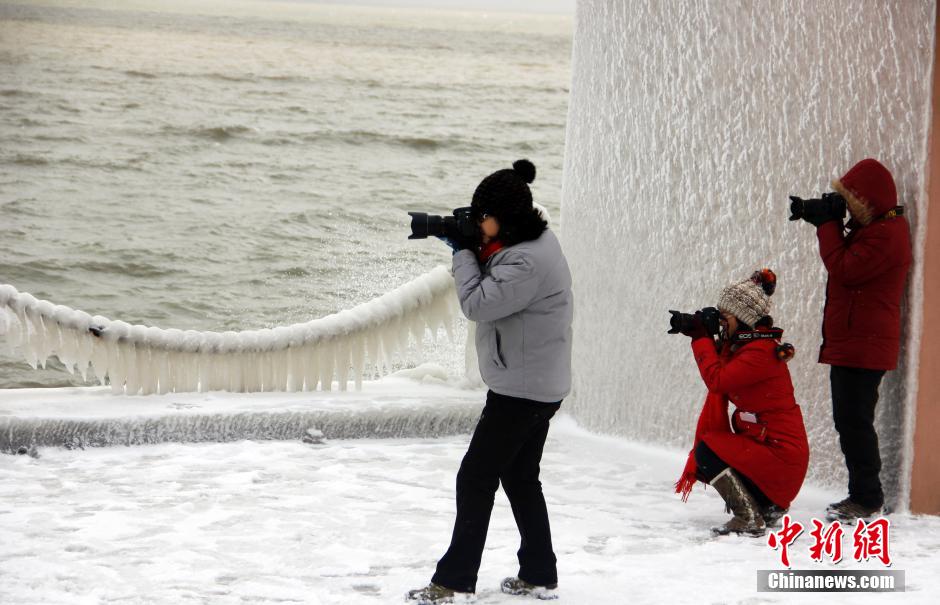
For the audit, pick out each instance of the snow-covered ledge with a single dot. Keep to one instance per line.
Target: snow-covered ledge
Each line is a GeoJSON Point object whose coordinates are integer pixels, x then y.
{"type": "Point", "coordinates": [302, 357]}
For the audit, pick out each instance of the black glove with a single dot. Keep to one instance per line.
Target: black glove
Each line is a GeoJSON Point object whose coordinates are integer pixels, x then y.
{"type": "Point", "coordinates": [697, 329]}
{"type": "Point", "coordinates": [456, 244]}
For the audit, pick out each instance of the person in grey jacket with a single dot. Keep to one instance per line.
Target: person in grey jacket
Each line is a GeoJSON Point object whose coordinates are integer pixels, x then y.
{"type": "Point", "coordinates": [516, 285]}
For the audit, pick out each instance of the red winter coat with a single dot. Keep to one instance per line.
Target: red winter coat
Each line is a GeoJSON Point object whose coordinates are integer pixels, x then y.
{"type": "Point", "coordinates": [773, 452]}
{"type": "Point", "coordinates": [867, 272]}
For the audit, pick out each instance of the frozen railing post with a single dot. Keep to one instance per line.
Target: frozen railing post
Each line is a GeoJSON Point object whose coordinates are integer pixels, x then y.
{"type": "Point", "coordinates": [144, 360]}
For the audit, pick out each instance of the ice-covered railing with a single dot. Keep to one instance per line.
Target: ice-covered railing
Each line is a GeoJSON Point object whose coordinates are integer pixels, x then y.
{"type": "Point", "coordinates": [140, 359]}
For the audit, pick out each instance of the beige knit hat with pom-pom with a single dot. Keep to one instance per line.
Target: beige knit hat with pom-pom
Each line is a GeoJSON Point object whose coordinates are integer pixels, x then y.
{"type": "Point", "coordinates": [749, 299]}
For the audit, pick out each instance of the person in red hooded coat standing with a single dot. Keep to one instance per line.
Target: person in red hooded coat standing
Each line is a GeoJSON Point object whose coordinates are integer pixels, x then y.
{"type": "Point", "coordinates": [867, 260]}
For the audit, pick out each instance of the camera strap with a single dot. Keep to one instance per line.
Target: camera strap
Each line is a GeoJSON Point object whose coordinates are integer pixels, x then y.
{"type": "Point", "coordinates": [896, 211]}
{"type": "Point", "coordinates": [752, 335]}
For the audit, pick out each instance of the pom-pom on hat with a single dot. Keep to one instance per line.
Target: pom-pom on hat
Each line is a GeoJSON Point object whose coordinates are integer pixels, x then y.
{"type": "Point", "coordinates": [505, 194]}
{"type": "Point", "coordinates": [749, 299]}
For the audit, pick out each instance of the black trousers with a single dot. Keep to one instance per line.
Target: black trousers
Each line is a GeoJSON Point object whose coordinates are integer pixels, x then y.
{"type": "Point", "coordinates": [854, 395]}
{"type": "Point", "coordinates": [710, 465]}
{"type": "Point", "coordinates": [506, 447]}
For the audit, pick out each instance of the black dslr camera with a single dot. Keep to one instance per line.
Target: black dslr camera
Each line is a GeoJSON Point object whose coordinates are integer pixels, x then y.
{"type": "Point", "coordinates": [685, 321]}
{"type": "Point", "coordinates": [461, 226]}
{"type": "Point", "coordinates": [829, 206]}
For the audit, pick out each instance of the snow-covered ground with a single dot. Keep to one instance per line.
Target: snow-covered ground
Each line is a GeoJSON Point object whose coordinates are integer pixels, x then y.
{"type": "Point", "coordinates": [362, 521]}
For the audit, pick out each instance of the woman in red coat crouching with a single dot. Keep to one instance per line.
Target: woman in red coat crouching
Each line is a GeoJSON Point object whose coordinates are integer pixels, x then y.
{"type": "Point", "coordinates": [757, 461]}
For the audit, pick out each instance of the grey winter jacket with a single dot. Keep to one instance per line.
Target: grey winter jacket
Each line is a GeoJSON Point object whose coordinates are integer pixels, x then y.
{"type": "Point", "coordinates": [522, 304]}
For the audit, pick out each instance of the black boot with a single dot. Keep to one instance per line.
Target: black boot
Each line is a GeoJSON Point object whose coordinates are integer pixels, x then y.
{"type": "Point", "coordinates": [772, 514]}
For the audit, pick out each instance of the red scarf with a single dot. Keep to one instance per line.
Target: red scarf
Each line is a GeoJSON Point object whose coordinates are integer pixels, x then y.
{"type": "Point", "coordinates": [713, 418]}
{"type": "Point", "coordinates": [488, 250]}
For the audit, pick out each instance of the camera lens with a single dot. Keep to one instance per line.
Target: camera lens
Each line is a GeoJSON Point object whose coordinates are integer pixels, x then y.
{"type": "Point", "coordinates": [425, 225]}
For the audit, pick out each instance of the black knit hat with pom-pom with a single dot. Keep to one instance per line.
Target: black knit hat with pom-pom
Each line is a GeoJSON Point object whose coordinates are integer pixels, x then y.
{"type": "Point", "coordinates": [505, 194]}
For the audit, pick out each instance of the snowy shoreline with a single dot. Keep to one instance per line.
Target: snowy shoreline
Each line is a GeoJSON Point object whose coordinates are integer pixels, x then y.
{"type": "Point", "coordinates": [362, 521]}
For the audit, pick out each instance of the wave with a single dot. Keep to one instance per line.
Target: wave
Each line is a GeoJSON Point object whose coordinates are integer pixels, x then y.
{"type": "Point", "coordinates": [344, 137]}
{"type": "Point", "coordinates": [22, 159]}
{"type": "Point", "coordinates": [55, 138]}
{"type": "Point", "coordinates": [213, 133]}
{"type": "Point", "coordinates": [217, 76]}
{"type": "Point", "coordinates": [126, 268]}
{"type": "Point", "coordinates": [223, 77]}
{"type": "Point", "coordinates": [367, 137]}
{"type": "Point", "coordinates": [135, 73]}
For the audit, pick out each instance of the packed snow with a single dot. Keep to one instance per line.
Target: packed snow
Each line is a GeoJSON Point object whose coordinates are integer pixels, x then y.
{"type": "Point", "coordinates": [362, 521]}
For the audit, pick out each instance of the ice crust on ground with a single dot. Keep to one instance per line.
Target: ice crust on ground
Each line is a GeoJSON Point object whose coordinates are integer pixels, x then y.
{"type": "Point", "coordinates": [343, 347]}
{"type": "Point", "coordinates": [362, 521]}
{"type": "Point", "coordinates": [417, 402]}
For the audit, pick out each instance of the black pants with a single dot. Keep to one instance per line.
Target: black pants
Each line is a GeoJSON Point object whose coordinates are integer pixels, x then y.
{"type": "Point", "coordinates": [710, 465]}
{"type": "Point", "coordinates": [506, 447]}
{"type": "Point", "coordinates": [854, 395]}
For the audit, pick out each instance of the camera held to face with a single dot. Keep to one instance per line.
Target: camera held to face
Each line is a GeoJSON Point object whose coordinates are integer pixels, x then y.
{"type": "Point", "coordinates": [461, 226]}
{"type": "Point", "coordinates": [830, 206]}
{"type": "Point", "coordinates": [684, 322]}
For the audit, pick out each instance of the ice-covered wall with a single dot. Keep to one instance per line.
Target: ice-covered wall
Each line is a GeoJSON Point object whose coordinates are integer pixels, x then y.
{"type": "Point", "coordinates": [689, 125]}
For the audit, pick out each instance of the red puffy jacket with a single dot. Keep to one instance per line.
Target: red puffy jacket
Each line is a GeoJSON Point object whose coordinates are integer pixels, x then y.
{"type": "Point", "coordinates": [867, 273]}
{"type": "Point", "coordinates": [773, 452]}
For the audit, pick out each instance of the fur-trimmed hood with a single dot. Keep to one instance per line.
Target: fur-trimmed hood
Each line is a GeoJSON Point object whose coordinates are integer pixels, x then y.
{"type": "Point", "coordinates": [868, 189]}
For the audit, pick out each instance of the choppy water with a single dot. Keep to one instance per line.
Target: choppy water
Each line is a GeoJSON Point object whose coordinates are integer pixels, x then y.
{"type": "Point", "coordinates": [217, 166]}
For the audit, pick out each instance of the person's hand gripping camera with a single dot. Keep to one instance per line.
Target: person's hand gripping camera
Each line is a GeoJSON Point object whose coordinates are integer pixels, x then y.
{"type": "Point", "coordinates": [830, 207]}
{"type": "Point", "coordinates": [702, 324]}
{"type": "Point", "coordinates": [459, 231]}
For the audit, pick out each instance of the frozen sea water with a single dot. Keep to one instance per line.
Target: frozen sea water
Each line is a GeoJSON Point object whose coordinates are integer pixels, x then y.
{"type": "Point", "coordinates": [362, 521]}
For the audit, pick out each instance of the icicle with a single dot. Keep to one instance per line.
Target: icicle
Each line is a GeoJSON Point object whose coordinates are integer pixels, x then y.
{"type": "Point", "coordinates": [389, 347]}
{"type": "Point", "coordinates": [231, 361]}
{"type": "Point", "coordinates": [148, 359]}
{"type": "Point", "coordinates": [293, 369]}
{"type": "Point", "coordinates": [116, 371]}
{"type": "Point", "coordinates": [161, 370]}
{"type": "Point", "coordinates": [416, 329]}
{"type": "Point", "coordinates": [358, 352]}
{"type": "Point", "coordinates": [138, 359]}
{"type": "Point", "coordinates": [252, 373]}
{"type": "Point", "coordinates": [68, 338]}
{"type": "Point", "coordinates": [98, 356]}
{"type": "Point", "coordinates": [372, 352]}
{"type": "Point", "coordinates": [314, 350]}
{"type": "Point", "coordinates": [327, 365]}
{"type": "Point", "coordinates": [33, 340]}
{"type": "Point", "coordinates": [342, 362]}
{"type": "Point", "coordinates": [195, 380]}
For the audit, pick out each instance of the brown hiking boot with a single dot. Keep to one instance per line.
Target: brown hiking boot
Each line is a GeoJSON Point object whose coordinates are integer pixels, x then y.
{"type": "Point", "coordinates": [517, 586]}
{"type": "Point", "coordinates": [747, 519]}
{"type": "Point", "coordinates": [848, 511]}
